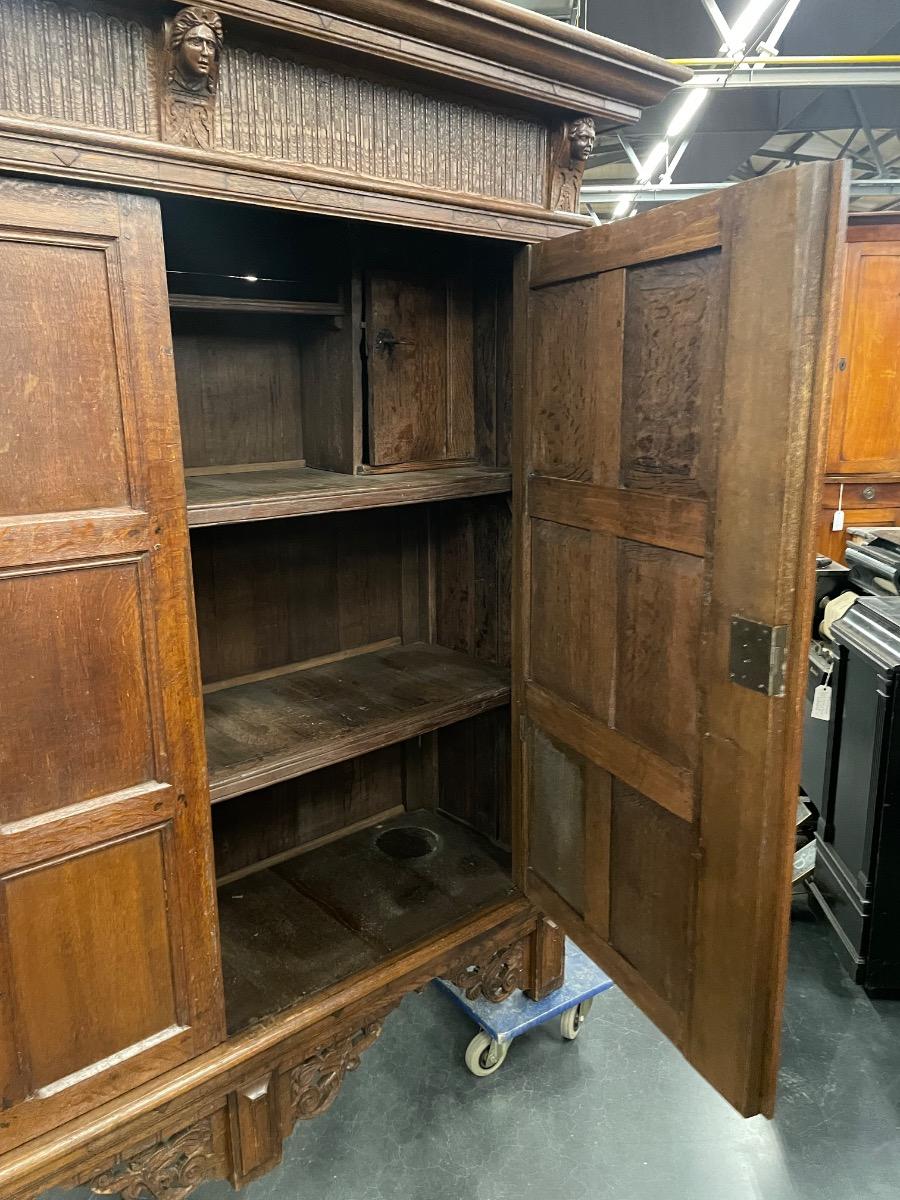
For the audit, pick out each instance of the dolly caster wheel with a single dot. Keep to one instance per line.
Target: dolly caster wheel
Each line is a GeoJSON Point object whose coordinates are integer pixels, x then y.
{"type": "Point", "coordinates": [571, 1021]}
{"type": "Point", "coordinates": [484, 1056]}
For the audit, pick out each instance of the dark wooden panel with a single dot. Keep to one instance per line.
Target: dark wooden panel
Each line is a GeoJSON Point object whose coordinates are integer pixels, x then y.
{"type": "Point", "coordinates": [277, 593]}
{"type": "Point", "coordinates": [59, 389]}
{"type": "Point", "coordinates": [89, 947]}
{"type": "Point", "coordinates": [657, 519]}
{"type": "Point", "coordinates": [261, 733]}
{"type": "Point", "coordinates": [651, 908]}
{"type": "Point", "coordinates": [408, 383]}
{"type": "Point", "coordinates": [569, 827]}
{"type": "Point", "coordinates": [671, 374]}
{"type": "Point", "coordinates": [556, 825]}
{"type": "Point", "coordinates": [473, 773]}
{"type": "Point", "coordinates": [281, 818]}
{"type": "Point", "coordinates": [576, 332]}
{"type": "Point", "coordinates": [239, 389]}
{"type": "Point", "coordinates": [471, 547]}
{"type": "Point", "coordinates": [572, 644]}
{"type": "Point", "coordinates": [289, 491]}
{"type": "Point", "coordinates": [331, 382]}
{"type": "Point", "coordinates": [660, 607]}
{"type": "Point", "coordinates": [77, 723]}
{"type": "Point", "coordinates": [665, 232]}
{"type": "Point", "coordinates": [421, 376]}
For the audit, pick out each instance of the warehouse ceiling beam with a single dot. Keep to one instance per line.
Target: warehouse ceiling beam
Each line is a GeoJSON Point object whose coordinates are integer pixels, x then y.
{"type": "Point", "coordinates": [607, 193]}
{"type": "Point", "coordinates": [867, 130]}
{"type": "Point", "coordinates": [778, 76]}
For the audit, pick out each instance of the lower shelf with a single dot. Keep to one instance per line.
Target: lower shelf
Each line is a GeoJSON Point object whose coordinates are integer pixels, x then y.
{"type": "Point", "coordinates": [268, 730]}
{"type": "Point", "coordinates": [291, 930]}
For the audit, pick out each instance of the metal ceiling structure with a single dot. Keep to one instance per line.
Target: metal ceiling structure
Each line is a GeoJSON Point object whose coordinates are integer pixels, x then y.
{"type": "Point", "coordinates": [769, 100]}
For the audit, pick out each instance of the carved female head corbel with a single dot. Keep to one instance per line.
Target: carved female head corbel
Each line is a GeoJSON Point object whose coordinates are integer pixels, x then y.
{"type": "Point", "coordinates": [193, 47]}
{"type": "Point", "coordinates": [575, 143]}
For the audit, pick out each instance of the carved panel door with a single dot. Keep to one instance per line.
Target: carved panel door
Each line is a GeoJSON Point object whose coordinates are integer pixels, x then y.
{"type": "Point", "coordinates": [420, 345]}
{"type": "Point", "coordinates": [673, 441]}
{"type": "Point", "coordinates": [108, 955]}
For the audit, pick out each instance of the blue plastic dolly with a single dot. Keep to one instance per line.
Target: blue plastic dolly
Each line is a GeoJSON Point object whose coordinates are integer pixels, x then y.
{"type": "Point", "coordinates": [500, 1024]}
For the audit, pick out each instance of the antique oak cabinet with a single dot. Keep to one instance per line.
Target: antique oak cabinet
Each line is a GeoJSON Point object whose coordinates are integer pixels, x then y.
{"type": "Point", "coordinates": [395, 571]}
{"type": "Point", "coordinates": [863, 461]}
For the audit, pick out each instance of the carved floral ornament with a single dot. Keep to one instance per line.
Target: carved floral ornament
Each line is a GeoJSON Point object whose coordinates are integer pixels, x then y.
{"type": "Point", "coordinates": [494, 978]}
{"type": "Point", "coordinates": [192, 50]}
{"type": "Point", "coordinates": [166, 1171]}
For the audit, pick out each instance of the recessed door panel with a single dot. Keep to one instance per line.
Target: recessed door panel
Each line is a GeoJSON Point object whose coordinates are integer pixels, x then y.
{"type": "Point", "coordinates": [78, 725]}
{"type": "Point", "coordinates": [61, 384]}
{"type": "Point", "coordinates": [90, 952]}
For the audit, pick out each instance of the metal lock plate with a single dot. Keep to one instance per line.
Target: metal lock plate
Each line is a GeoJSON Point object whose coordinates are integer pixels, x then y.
{"type": "Point", "coordinates": [758, 656]}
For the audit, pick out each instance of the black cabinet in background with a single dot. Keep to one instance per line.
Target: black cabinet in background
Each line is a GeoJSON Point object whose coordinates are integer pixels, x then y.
{"type": "Point", "coordinates": [856, 882]}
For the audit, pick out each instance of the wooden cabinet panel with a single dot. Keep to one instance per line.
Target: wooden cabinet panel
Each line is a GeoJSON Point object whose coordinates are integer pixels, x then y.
{"type": "Point", "coordinates": [865, 433]}
{"type": "Point", "coordinates": [90, 956]}
{"type": "Point", "coordinates": [657, 633]}
{"type": "Point", "coordinates": [672, 349]}
{"type": "Point", "coordinates": [107, 939]}
{"type": "Point", "coordinates": [657, 794]}
{"type": "Point", "coordinates": [74, 689]}
{"type": "Point", "coordinates": [420, 338]}
{"type": "Point", "coordinates": [59, 389]}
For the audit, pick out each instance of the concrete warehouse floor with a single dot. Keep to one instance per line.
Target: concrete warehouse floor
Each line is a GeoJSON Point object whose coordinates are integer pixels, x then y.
{"type": "Point", "coordinates": [617, 1115]}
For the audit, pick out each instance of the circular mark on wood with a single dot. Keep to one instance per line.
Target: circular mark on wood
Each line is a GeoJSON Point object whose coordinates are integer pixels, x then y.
{"type": "Point", "coordinates": [407, 841]}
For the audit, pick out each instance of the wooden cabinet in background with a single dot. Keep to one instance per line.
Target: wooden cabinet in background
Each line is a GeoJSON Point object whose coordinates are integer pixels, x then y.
{"type": "Point", "coordinates": [387, 546]}
{"type": "Point", "coordinates": [864, 434]}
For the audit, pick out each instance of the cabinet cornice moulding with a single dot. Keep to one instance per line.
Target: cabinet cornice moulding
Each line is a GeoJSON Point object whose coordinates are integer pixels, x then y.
{"type": "Point", "coordinates": [486, 43]}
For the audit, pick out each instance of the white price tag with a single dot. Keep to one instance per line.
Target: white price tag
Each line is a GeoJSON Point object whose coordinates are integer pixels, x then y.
{"type": "Point", "coordinates": [837, 521]}
{"type": "Point", "coordinates": [821, 705]}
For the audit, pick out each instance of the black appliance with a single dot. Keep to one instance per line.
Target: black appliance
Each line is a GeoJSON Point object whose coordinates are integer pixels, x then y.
{"type": "Point", "coordinates": [856, 881]}
{"type": "Point", "coordinates": [821, 738]}
{"type": "Point", "coordinates": [873, 556]}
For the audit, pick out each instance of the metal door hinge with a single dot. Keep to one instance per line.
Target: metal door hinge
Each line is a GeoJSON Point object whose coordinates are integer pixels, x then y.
{"type": "Point", "coordinates": [758, 656]}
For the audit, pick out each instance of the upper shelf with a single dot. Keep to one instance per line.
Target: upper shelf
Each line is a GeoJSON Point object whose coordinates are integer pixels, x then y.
{"type": "Point", "coordinates": [243, 304]}
{"type": "Point", "coordinates": [267, 730]}
{"type": "Point", "coordinates": [289, 491]}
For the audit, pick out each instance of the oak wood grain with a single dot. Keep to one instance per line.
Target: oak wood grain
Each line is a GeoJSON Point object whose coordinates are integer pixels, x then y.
{"type": "Point", "coordinates": [290, 491]}
{"type": "Point", "coordinates": [260, 733]}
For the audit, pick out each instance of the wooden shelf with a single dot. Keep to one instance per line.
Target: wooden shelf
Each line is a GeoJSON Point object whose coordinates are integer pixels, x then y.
{"type": "Point", "coordinates": [289, 491]}
{"type": "Point", "coordinates": [267, 730]}
{"type": "Point", "coordinates": [294, 929]}
{"type": "Point", "coordinates": [241, 304]}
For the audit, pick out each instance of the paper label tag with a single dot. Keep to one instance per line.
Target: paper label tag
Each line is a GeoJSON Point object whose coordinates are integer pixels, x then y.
{"type": "Point", "coordinates": [837, 521]}
{"type": "Point", "coordinates": [821, 705]}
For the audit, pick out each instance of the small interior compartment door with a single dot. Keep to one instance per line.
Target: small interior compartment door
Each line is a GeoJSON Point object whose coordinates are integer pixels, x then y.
{"type": "Point", "coordinates": [419, 348]}
{"type": "Point", "coordinates": [672, 448]}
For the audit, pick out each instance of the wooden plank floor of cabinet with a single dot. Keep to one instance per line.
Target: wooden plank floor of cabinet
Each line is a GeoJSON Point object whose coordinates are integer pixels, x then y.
{"type": "Point", "coordinates": [297, 927]}
{"type": "Point", "coordinates": [264, 731]}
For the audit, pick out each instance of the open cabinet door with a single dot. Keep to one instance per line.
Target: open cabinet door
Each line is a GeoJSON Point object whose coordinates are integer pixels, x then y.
{"type": "Point", "coordinates": [672, 446]}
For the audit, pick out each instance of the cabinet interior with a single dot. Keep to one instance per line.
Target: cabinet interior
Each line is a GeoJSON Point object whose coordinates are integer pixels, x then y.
{"type": "Point", "coordinates": [345, 401]}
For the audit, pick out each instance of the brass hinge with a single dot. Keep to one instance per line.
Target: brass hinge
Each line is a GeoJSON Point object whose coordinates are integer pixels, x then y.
{"type": "Point", "coordinates": [758, 656]}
